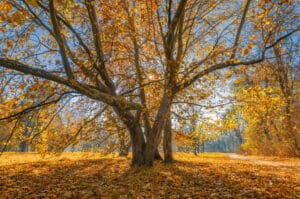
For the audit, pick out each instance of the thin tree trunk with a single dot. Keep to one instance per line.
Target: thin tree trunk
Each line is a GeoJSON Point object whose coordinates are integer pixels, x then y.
{"type": "Point", "coordinates": [123, 151]}
{"type": "Point", "coordinates": [292, 134]}
{"type": "Point", "coordinates": [167, 142]}
{"type": "Point", "coordinates": [123, 147]}
{"type": "Point", "coordinates": [24, 145]}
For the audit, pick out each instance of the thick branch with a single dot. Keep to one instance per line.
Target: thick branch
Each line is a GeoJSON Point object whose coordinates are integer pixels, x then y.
{"type": "Point", "coordinates": [238, 34]}
{"type": "Point", "coordinates": [60, 41]}
{"type": "Point", "coordinates": [70, 27]}
{"type": "Point", "coordinates": [97, 41]}
{"type": "Point", "coordinates": [84, 89]}
{"type": "Point", "coordinates": [138, 69]}
{"type": "Point", "coordinates": [176, 19]}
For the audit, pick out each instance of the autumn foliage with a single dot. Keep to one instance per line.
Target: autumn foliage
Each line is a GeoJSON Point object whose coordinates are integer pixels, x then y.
{"type": "Point", "coordinates": [122, 75]}
{"type": "Point", "coordinates": [77, 175]}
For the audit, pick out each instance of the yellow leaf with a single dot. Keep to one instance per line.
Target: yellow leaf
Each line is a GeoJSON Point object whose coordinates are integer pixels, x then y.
{"type": "Point", "coordinates": [69, 2]}
{"type": "Point", "coordinates": [246, 51]}
{"type": "Point", "coordinates": [22, 86]}
{"type": "Point", "coordinates": [5, 7]}
{"type": "Point", "coordinates": [33, 3]}
{"type": "Point", "coordinates": [17, 17]}
{"type": "Point", "coordinates": [1, 18]}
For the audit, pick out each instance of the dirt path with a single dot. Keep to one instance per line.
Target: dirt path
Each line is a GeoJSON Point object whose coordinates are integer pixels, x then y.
{"type": "Point", "coordinates": [293, 164]}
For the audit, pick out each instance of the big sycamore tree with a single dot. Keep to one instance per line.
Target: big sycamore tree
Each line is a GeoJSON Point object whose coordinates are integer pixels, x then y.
{"type": "Point", "coordinates": [137, 56]}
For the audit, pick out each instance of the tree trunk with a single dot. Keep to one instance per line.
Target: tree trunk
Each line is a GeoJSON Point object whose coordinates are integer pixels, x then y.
{"type": "Point", "coordinates": [292, 134]}
{"type": "Point", "coordinates": [123, 147]}
{"type": "Point", "coordinates": [24, 145]}
{"type": "Point", "coordinates": [138, 147]}
{"type": "Point", "coordinates": [136, 136]}
{"type": "Point", "coordinates": [123, 150]}
{"type": "Point", "coordinates": [149, 152]}
{"type": "Point", "coordinates": [144, 153]}
{"type": "Point", "coordinates": [154, 136]}
{"type": "Point", "coordinates": [157, 155]}
{"type": "Point", "coordinates": [167, 142]}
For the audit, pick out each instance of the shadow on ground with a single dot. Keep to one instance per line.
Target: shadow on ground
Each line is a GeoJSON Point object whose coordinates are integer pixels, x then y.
{"type": "Point", "coordinates": [114, 178]}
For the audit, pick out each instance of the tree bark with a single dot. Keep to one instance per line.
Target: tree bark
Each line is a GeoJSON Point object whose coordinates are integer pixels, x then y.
{"type": "Point", "coordinates": [123, 150]}
{"type": "Point", "coordinates": [123, 146]}
{"type": "Point", "coordinates": [24, 144]}
{"type": "Point", "coordinates": [136, 136]}
{"type": "Point", "coordinates": [138, 148]}
{"type": "Point", "coordinates": [154, 137]}
{"type": "Point", "coordinates": [167, 142]}
{"type": "Point", "coordinates": [292, 134]}
{"type": "Point", "coordinates": [157, 155]}
{"type": "Point", "coordinates": [149, 152]}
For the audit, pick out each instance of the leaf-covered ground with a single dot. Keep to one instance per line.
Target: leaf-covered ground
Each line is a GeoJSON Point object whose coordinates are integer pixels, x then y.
{"type": "Point", "coordinates": [82, 175]}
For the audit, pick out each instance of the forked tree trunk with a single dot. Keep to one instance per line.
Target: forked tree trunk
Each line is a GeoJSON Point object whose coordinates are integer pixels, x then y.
{"type": "Point", "coordinates": [144, 153]}
{"type": "Point", "coordinates": [138, 151]}
{"type": "Point", "coordinates": [154, 137]}
{"type": "Point", "coordinates": [167, 142]}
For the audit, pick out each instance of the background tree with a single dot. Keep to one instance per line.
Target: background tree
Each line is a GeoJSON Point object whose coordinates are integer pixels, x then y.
{"type": "Point", "coordinates": [269, 103]}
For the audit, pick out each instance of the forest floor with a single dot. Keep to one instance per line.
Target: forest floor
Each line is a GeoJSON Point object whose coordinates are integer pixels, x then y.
{"type": "Point", "coordinates": [90, 175]}
{"type": "Point", "coordinates": [269, 160]}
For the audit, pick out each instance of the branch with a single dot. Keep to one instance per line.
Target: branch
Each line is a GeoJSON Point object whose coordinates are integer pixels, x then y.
{"type": "Point", "coordinates": [282, 38]}
{"type": "Point", "coordinates": [180, 39]}
{"type": "Point", "coordinates": [37, 18]}
{"type": "Point", "coordinates": [49, 123]}
{"type": "Point", "coordinates": [59, 40]}
{"type": "Point", "coordinates": [18, 66]}
{"type": "Point", "coordinates": [231, 63]}
{"type": "Point", "coordinates": [72, 139]}
{"type": "Point", "coordinates": [9, 137]}
{"type": "Point", "coordinates": [39, 105]}
{"type": "Point", "coordinates": [97, 41]}
{"type": "Point", "coordinates": [141, 86]}
{"type": "Point", "coordinates": [84, 89]}
{"type": "Point", "coordinates": [176, 19]}
{"type": "Point", "coordinates": [238, 34]}
{"type": "Point", "coordinates": [87, 72]}
{"type": "Point", "coordinates": [202, 106]}
{"type": "Point", "coordinates": [69, 26]}
{"type": "Point", "coordinates": [139, 69]}
{"type": "Point", "coordinates": [214, 68]}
